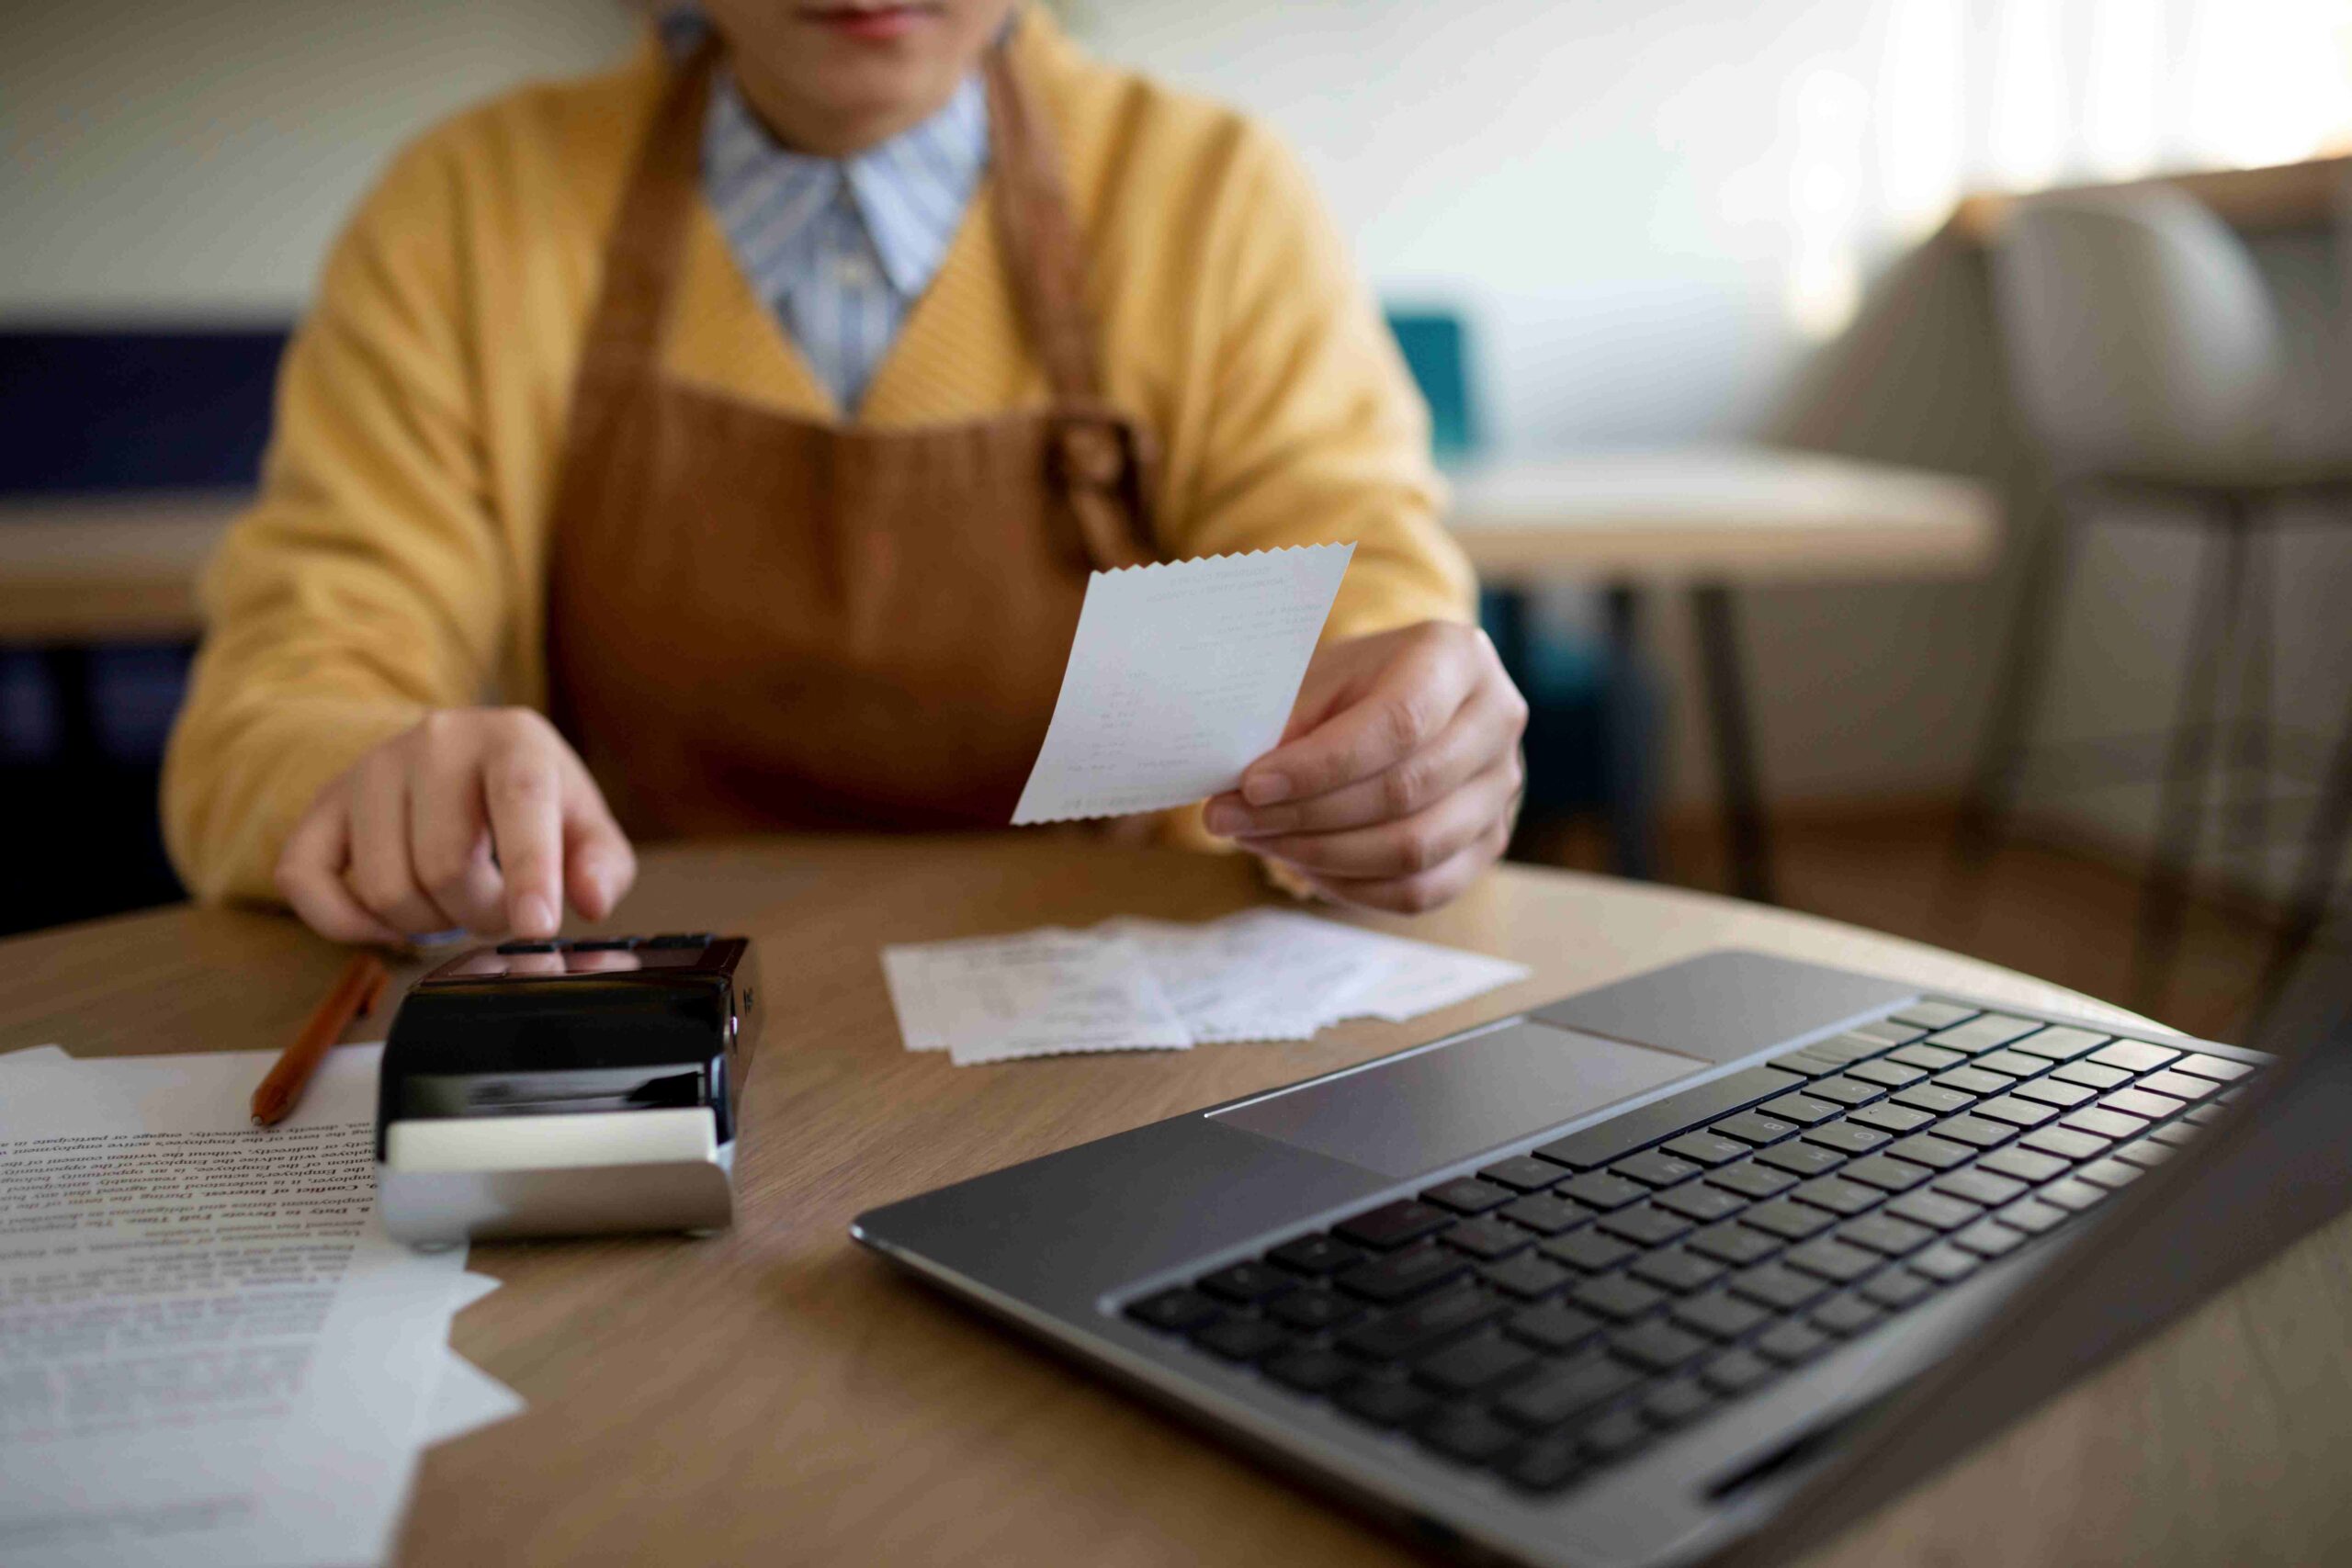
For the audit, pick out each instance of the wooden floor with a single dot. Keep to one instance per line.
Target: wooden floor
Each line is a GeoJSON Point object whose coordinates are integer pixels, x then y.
{"type": "Point", "coordinates": [2057, 915]}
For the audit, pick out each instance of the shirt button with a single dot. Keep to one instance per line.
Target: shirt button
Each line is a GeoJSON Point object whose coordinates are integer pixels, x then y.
{"type": "Point", "coordinates": [852, 272]}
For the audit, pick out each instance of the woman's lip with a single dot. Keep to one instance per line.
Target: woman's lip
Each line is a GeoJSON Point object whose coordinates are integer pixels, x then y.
{"type": "Point", "coordinates": [870, 22]}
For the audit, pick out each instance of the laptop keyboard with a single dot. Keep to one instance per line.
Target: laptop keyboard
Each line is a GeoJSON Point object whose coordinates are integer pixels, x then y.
{"type": "Point", "coordinates": [1561, 1309]}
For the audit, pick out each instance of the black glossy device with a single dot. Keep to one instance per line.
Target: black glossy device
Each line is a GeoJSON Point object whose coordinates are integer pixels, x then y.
{"type": "Point", "coordinates": [558, 1088]}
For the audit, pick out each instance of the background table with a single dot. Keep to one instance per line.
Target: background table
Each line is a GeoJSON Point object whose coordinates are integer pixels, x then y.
{"type": "Point", "coordinates": [775, 1395]}
{"type": "Point", "coordinates": [1708, 519]}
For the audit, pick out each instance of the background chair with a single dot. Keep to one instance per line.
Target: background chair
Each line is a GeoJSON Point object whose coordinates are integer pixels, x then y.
{"type": "Point", "coordinates": [2145, 353]}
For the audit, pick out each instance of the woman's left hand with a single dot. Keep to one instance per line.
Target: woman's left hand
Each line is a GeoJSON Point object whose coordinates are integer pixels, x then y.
{"type": "Point", "coordinates": [1399, 776]}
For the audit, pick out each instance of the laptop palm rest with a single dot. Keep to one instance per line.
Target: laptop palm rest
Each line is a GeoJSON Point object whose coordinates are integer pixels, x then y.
{"type": "Point", "coordinates": [1403, 1115]}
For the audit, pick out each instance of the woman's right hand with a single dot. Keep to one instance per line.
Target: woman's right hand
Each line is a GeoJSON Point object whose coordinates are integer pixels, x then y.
{"type": "Point", "coordinates": [480, 817]}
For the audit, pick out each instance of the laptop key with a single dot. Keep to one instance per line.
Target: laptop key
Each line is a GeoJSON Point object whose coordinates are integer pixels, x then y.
{"type": "Point", "coordinates": [2111, 1174]}
{"type": "Point", "coordinates": [1587, 1249]}
{"type": "Point", "coordinates": [1755, 1127]}
{"type": "Point", "coordinates": [1801, 1156]}
{"type": "Point", "coordinates": [2072, 1142]}
{"type": "Point", "coordinates": [1973, 1080]}
{"type": "Point", "coordinates": [1526, 1276]}
{"type": "Point", "coordinates": [1568, 1389]}
{"type": "Point", "coordinates": [2032, 1216]}
{"type": "Point", "coordinates": [1544, 1213]}
{"type": "Point", "coordinates": [1468, 1365]}
{"type": "Point", "coordinates": [1980, 1186]}
{"type": "Point", "coordinates": [1807, 1063]}
{"type": "Point", "coordinates": [1935, 1100]}
{"type": "Point", "coordinates": [1403, 1274]}
{"type": "Point", "coordinates": [1486, 1238]}
{"type": "Point", "coordinates": [1928, 1058]}
{"type": "Point", "coordinates": [1736, 1372]}
{"type": "Point", "coordinates": [1468, 1195]}
{"type": "Point", "coordinates": [2016, 1110]}
{"type": "Point", "coordinates": [1889, 1117]}
{"type": "Point", "coordinates": [1241, 1338]}
{"type": "Point", "coordinates": [1612, 1437]}
{"type": "Point", "coordinates": [1847, 1316]}
{"type": "Point", "coordinates": [1929, 1013]}
{"type": "Point", "coordinates": [1646, 1224]}
{"type": "Point", "coordinates": [2060, 1043]}
{"type": "Point", "coordinates": [1847, 1048]}
{"type": "Point", "coordinates": [1315, 1254]}
{"type": "Point", "coordinates": [1706, 1148]}
{"type": "Point", "coordinates": [1675, 1269]}
{"type": "Point", "coordinates": [1655, 1168]}
{"type": "Point", "coordinates": [2054, 1091]}
{"type": "Point", "coordinates": [1523, 1173]}
{"type": "Point", "coordinates": [1471, 1435]}
{"type": "Point", "coordinates": [2219, 1068]}
{"type": "Point", "coordinates": [1247, 1283]}
{"type": "Point", "coordinates": [1312, 1311]}
{"type": "Point", "coordinates": [1422, 1325]}
{"type": "Point", "coordinates": [1933, 1210]}
{"type": "Point", "coordinates": [2026, 1164]}
{"type": "Point", "coordinates": [1944, 1264]}
{"type": "Point", "coordinates": [1673, 1404]}
{"type": "Point", "coordinates": [2090, 1075]}
{"type": "Point", "coordinates": [1778, 1287]}
{"type": "Point", "coordinates": [1750, 1180]}
{"type": "Point", "coordinates": [1833, 1260]}
{"type": "Point", "coordinates": [1838, 1195]}
{"type": "Point", "coordinates": [1803, 1109]}
{"type": "Point", "coordinates": [1546, 1466]}
{"type": "Point", "coordinates": [1844, 1089]}
{"type": "Point", "coordinates": [1989, 1238]}
{"type": "Point", "coordinates": [1555, 1327]}
{"type": "Point", "coordinates": [2179, 1085]}
{"type": "Point", "coordinates": [1983, 1032]}
{"type": "Point", "coordinates": [1702, 1203]}
{"type": "Point", "coordinates": [2134, 1056]}
{"type": "Point", "coordinates": [1977, 1132]}
{"type": "Point", "coordinates": [1887, 1173]}
{"type": "Point", "coordinates": [2177, 1133]}
{"type": "Point", "coordinates": [1886, 1029]}
{"type": "Point", "coordinates": [2106, 1124]}
{"type": "Point", "coordinates": [2138, 1102]}
{"type": "Point", "coordinates": [1886, 1234]}
{"type": "Point", "coordinates": [1598, 1189]}
{"type": "Point", "coordinates": [1394, 1224]}
{"type": "Point", "coordinates": [1175, 1310]}
{"type": "Point", "coordinates": [1791, 1344]}
{"type": "Point", "coordinates": [1786, 1218]}
{"type": "Point", "coordinates": [1616, 1297]}
{"type": "Point", "coordinates": [1734, 1244]}
{"type": "Point", "coordinates": [1929, 1150]}
{"type": "Point", "coordinates": [2205, 1115]}
{"type": "Point", "coordinates": [1718, 1314]}
{"type": "Point", "coordinates": [1895, 1289]}
{"type": "Point", "coordinates": [2013, 1064]}
{"type": "Point", "coordinates": [1385, 1401]}
{"type": "Point", "coordinates": [2073, 1194]}
{"type": "Point", "coordinates": [2147, 1152]}
{"type": "Point", "coordinates": [1845, 1137]}
{"type": "Point", "coordinates": [1893, 1075]}
{"type": "Point", "coordinates": [1657, 1346]}
{"type": "Point", "coordinates": [1312, 1371]}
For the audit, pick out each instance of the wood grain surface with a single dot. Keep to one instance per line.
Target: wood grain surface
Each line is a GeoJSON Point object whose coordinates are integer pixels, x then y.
{"type": "Point", "coordinates": [777, 1396]}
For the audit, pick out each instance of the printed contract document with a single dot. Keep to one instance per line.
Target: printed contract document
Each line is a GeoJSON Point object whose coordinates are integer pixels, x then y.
{"type": "Point", "coordinates": [1182, 674]}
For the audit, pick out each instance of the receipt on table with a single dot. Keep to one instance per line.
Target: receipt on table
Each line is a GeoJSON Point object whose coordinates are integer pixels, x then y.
{"type": "Point", "coordinates": [1039, 994]}
{"type": "Point", "coordinates": [1181, 675]}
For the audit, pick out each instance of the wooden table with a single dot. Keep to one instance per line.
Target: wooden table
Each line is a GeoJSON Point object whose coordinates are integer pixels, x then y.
{"type": "Point", "coordinates": [82, 570]}
{"type": "Point", "coordinates": [777, 1396]}
{"type": "Point", "coordinates": [1708, 518]}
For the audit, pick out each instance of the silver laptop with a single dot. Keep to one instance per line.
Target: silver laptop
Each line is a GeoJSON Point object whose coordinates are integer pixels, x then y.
{"type": "Point", "coordinates": [1616, 1280]}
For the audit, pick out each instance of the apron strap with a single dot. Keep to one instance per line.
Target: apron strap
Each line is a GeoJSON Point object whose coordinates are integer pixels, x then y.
{"type": "Point", "coordinates": [643, 257]}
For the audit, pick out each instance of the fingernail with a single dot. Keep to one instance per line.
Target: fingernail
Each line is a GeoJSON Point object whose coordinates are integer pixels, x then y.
{"type": "Point", "coordinates": [1225, 818]}
{"type": "Point", "coordinates": [1264, 789]}
{"type": "Point", "coordinates": [534, 916]}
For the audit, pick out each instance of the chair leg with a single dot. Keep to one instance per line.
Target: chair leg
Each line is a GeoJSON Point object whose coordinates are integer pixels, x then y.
{"type": "Point", "coordinates": [2181, 813]}
{"type": "Point", "coordinates": [1984, 810]}
{"type": "Point", "coordinates": [2250, 782]}
{"type": "Point", "coordinates": [1632, 828]}
{"type": "Point", "coordinates": [1727, 685]}
{"type": "Point", "coordinates": [2331, 833]}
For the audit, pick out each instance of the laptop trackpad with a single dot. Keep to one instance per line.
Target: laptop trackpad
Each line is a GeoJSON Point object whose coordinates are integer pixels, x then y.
{"type": "Point", "coordinates": [1412, 1113]}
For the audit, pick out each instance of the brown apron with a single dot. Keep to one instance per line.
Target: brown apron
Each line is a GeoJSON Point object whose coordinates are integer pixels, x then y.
{"type": "Point", "coordinates": [761, 621]}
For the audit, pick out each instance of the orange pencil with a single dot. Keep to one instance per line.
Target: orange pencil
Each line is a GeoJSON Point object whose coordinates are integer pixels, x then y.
{"type": "Point", "coordinates": [356, 992]}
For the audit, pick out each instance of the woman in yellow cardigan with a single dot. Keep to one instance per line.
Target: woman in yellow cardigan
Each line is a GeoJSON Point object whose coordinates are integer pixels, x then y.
{"type": "Point", "coordinates": [722, 443]}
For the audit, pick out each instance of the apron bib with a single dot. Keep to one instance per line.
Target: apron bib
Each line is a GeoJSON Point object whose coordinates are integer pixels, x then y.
{"type": "Point", "coordinates": [758, 621]}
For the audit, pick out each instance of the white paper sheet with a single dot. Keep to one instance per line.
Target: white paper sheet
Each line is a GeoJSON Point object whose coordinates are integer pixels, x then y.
{"type": "Point", "coordinates": [1257, 975]}
{"type": "Point", "coordinates": [465, 1400]}
{"type": "Point", "coordinates": [1181, 675]}
{"type": "Point", "coordinates": [211, 1350]}
{"type": "Point", "coordinates": [1042, 993]}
